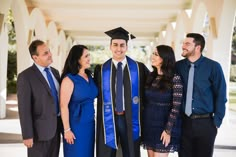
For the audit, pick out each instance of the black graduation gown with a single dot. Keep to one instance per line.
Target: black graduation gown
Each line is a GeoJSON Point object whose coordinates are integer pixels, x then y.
{"type": "Point", "coordinates": [103, 150]}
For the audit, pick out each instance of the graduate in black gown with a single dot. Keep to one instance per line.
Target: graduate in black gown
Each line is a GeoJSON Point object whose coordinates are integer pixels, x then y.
{"type": "Point", "coordinates": [120, 98]}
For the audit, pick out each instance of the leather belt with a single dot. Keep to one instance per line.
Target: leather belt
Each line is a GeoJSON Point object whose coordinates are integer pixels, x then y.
{"type": "Point", "coordinates": [119, 113]}
{"type": "Point", "coordinates": [200, 116]}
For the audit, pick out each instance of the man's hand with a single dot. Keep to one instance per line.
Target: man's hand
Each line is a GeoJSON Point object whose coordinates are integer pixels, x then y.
{"type": "Point", "coordinates": [28, 142]}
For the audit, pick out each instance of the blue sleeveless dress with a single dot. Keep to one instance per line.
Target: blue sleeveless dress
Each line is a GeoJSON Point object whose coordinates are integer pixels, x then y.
{"type": "Point", "coordinates": [81, 115]}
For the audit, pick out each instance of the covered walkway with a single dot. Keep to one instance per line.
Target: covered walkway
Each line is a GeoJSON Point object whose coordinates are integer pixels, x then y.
{"type": "Point", "coordinates": [63, 23]}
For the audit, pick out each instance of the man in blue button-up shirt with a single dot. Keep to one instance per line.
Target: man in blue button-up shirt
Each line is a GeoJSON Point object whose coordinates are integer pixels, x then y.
{"type": "Point", "coordinates": [208, 99]}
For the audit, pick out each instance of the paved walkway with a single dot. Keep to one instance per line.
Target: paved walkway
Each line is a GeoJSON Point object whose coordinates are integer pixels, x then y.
{"type": "Point", "coordinates": [11, 143]}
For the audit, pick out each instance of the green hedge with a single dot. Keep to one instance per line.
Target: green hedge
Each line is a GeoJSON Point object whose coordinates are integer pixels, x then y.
{"type": "Point", "coordinates": [11, 86]}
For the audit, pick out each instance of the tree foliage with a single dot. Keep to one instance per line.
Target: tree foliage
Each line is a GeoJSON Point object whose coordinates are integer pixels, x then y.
{"type": "Point", "coordinates": [12, 59]}
{"type": "Point", "coordinates": [234, 41]}
{"type": "Point", "coordinates": [11, 67]}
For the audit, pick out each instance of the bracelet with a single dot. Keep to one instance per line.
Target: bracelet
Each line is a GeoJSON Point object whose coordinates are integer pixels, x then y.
{"type": "Point", "coordinates": [67, 130]}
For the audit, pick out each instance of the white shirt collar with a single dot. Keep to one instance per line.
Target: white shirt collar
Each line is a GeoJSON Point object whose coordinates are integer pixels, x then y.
{"type": "Point", "coordinates": [124, 62]}
{"type": "Point", "coordinates": [41, 68]}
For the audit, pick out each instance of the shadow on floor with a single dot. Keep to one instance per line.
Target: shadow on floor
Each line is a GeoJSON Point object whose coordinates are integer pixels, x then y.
{"type": "Point", "coordinates": [10, 138]}
{"type": "Point", "coordinates": [11, 113]}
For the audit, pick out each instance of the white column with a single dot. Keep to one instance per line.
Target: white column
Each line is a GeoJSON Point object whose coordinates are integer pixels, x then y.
{"type": "Point", "coordinates": [3, 71]}
{"type": "Point", "coordinates": [221, 46]}
{"type": "Point", "coordinates": [5, 5]}
{"type": "Point", "coordinates": [21, 21]}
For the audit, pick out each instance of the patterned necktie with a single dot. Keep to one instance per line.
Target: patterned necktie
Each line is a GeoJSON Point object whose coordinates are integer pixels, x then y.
{"type": "Point", "coordinates": [189, 96]}
{"type": "Point", "coordinates": [53, 89]}
{"type": "Point", "coordinates": [119, 88]}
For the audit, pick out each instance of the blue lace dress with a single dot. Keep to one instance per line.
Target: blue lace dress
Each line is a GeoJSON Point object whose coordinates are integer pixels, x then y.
{"type": "Point", "coordinates": [81, 118]}
{"type": "Point", "coordinates": [161, 113]}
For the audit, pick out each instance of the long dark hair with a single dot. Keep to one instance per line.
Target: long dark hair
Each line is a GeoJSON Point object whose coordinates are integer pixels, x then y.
{"type": "Point", "coordinates": [167, 68]}
{"type": "Point", "coordinates": [72, 61]}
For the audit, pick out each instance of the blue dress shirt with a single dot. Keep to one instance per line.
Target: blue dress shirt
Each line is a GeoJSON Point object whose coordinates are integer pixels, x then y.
{"type": "Point", "coordinates": [209, 87]}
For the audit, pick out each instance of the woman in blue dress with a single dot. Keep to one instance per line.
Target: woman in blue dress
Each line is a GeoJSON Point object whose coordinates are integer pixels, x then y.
{"type": "Point", "coordinates": [163, 96]}
{"type": "Point", "coordinates": [77, 95]}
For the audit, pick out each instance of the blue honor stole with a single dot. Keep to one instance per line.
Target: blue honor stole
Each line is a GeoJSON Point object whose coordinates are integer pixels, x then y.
{"type": "Point", "coordinates": [108, 109]}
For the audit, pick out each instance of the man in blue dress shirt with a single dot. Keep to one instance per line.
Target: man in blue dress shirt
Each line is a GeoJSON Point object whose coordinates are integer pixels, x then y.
{"type": "Point", "coordinates": [206, 98]}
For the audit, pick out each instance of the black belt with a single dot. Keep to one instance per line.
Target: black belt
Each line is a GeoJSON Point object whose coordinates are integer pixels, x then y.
{"type": "Point", "coordinates": [200, 116]}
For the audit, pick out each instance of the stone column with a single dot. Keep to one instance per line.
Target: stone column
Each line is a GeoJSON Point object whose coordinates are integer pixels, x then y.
{"type": "Point", "coordinates": [5, 5]}
{"type": "Point", "coordinates": [3, 71]}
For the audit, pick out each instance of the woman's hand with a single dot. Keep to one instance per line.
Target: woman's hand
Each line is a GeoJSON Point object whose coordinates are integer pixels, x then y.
{"type": "Point", "coordinates": [165, 138]}
{"type": "Point", "coordinates": [69, 137]}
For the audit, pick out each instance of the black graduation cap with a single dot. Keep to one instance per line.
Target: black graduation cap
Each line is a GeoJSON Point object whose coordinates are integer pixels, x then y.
{"type": "Point", "coordinates": [119, 33]}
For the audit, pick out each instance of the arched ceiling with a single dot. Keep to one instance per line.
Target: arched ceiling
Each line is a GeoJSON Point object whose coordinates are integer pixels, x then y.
{"type": "Point", "coordinates": [87, 20]}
